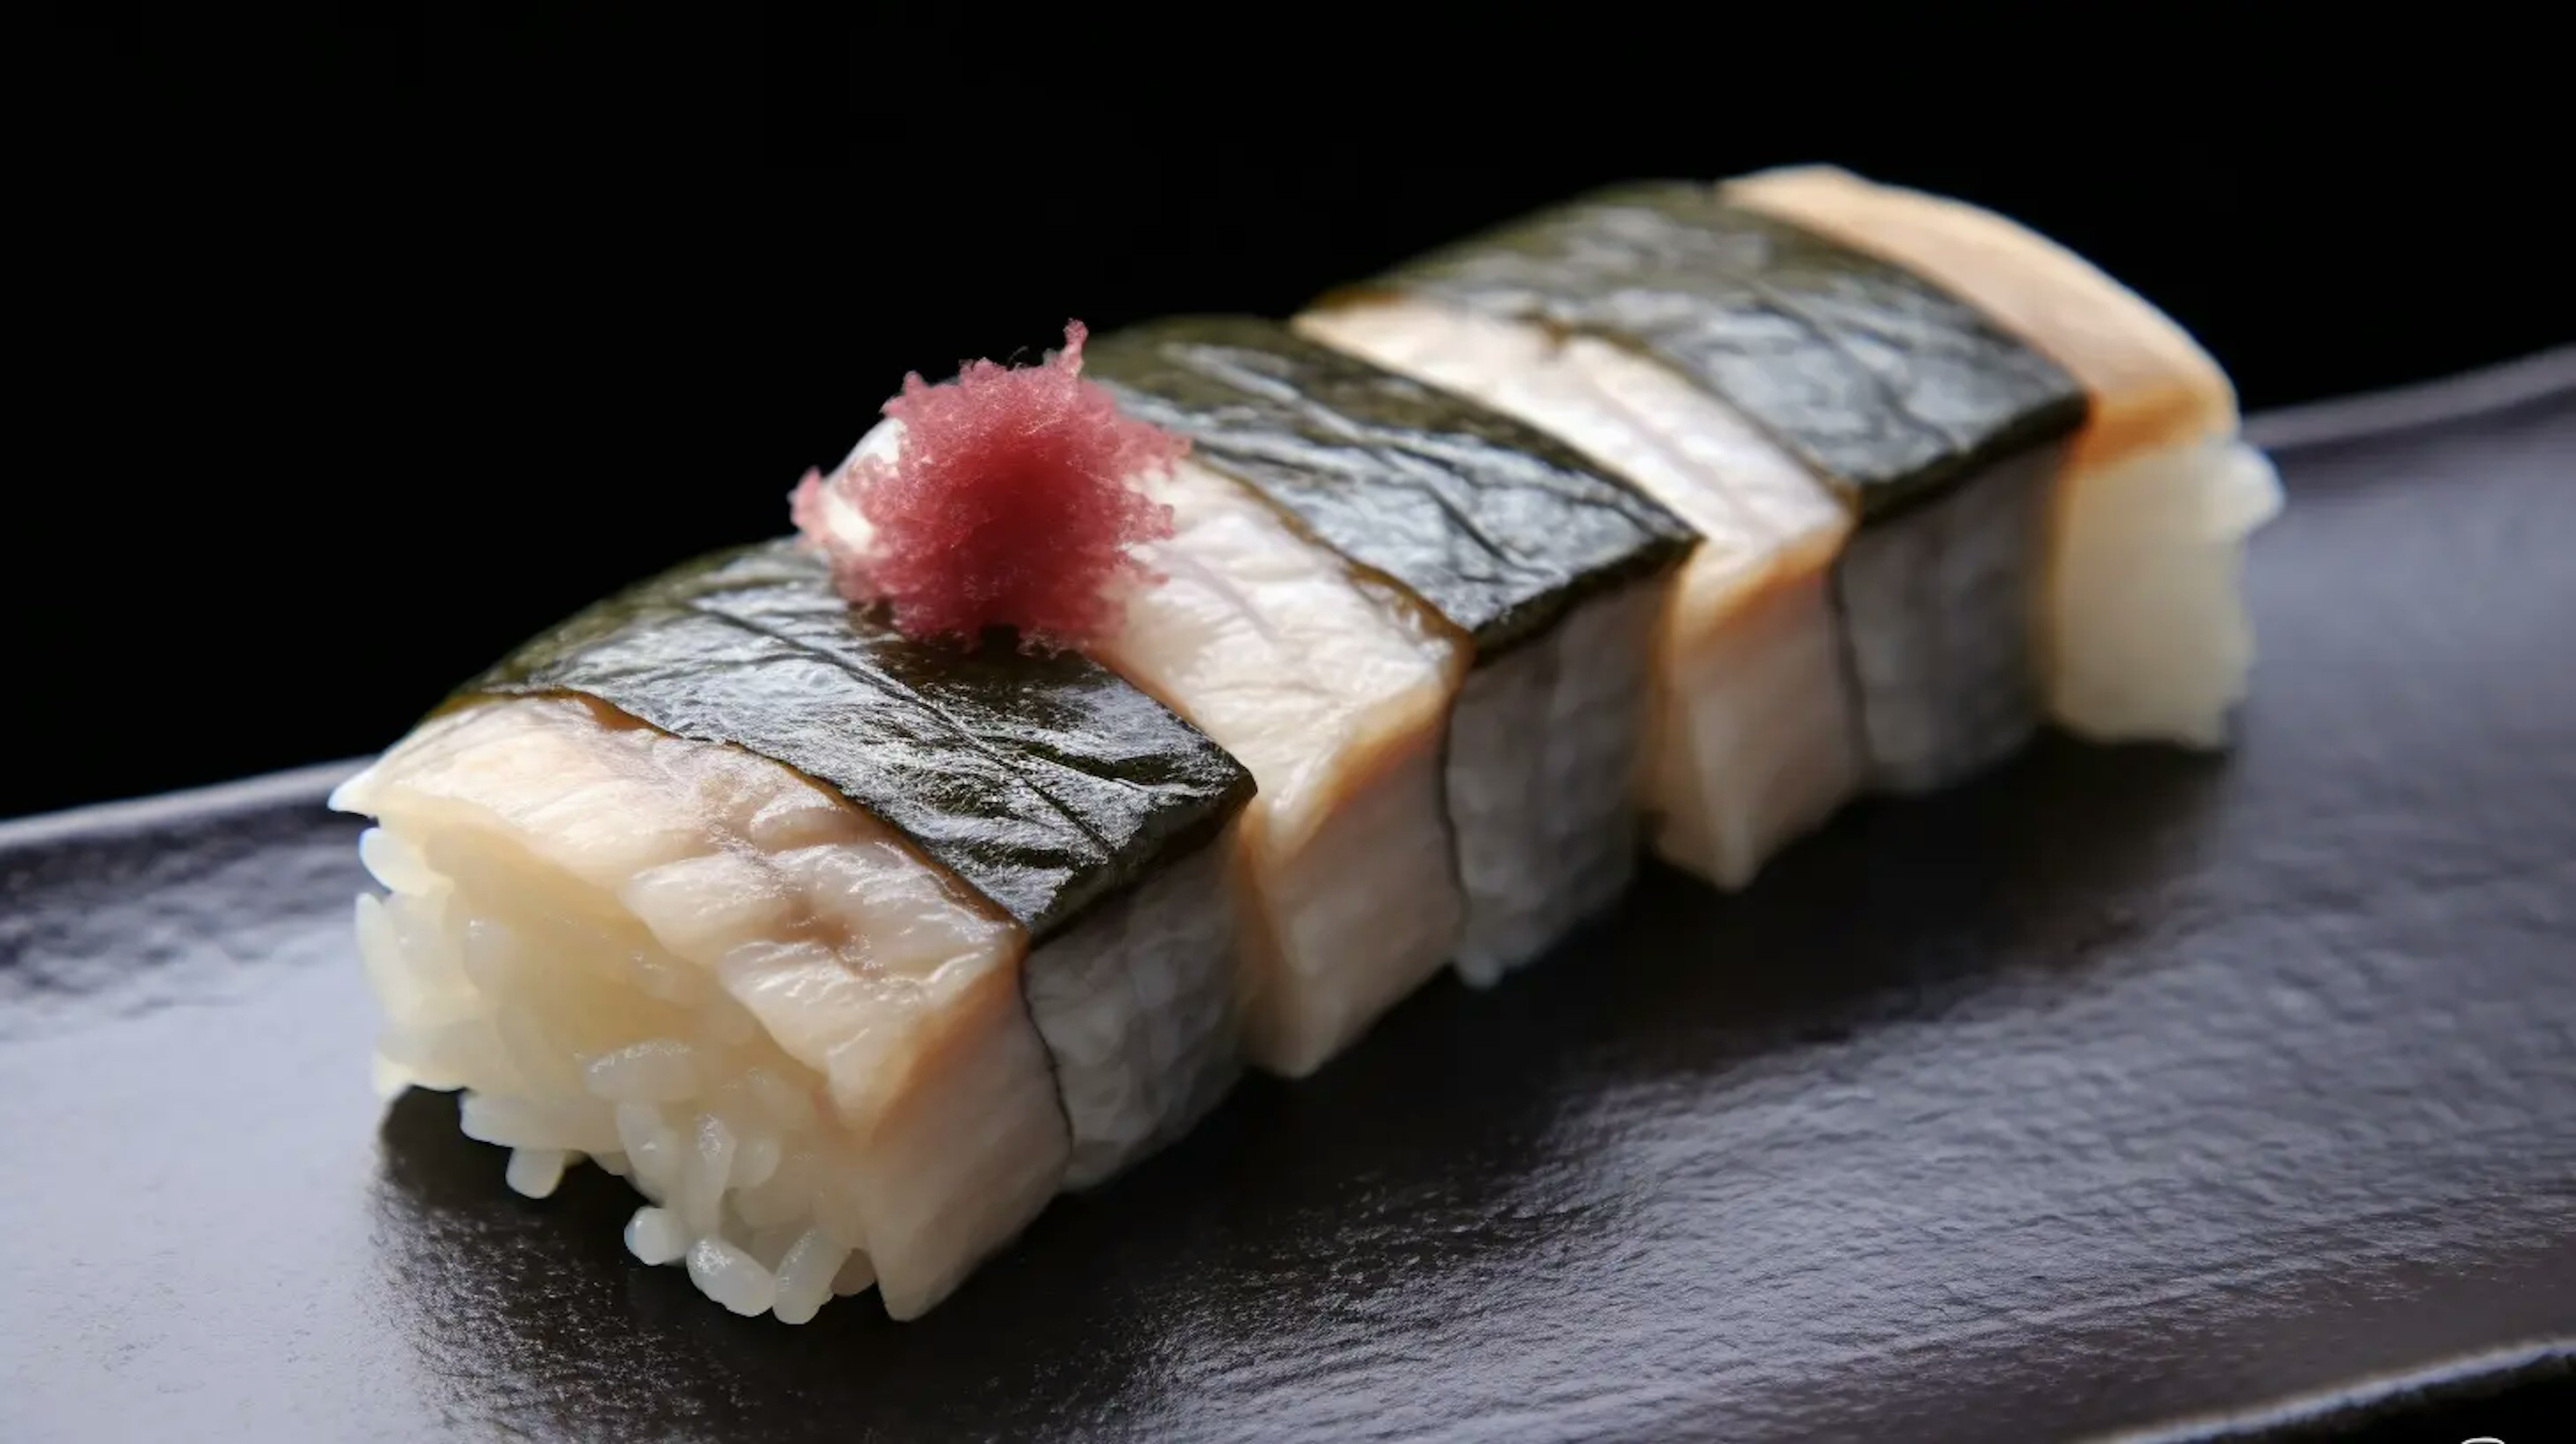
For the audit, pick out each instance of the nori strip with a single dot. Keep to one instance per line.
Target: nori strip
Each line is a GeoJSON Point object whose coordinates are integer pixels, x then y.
{"type": "Point", "coordinates": [1046, 783]}
{"type": "Point", "coordinates": [1877, 378]}
{"type": "Point", "coordinates": [1498, 526]}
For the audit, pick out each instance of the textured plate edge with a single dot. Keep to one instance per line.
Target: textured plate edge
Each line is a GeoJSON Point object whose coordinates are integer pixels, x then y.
{"type": "Point", "coordinates": [2485, 391]}
{"type": "Point", "coordinates": [2368, 1400]}
{"type": "Point", "coordinates": [294, 787]}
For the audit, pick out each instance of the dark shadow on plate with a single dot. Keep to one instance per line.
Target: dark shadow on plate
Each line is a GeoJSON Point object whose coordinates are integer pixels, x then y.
{"type": "Point", "coordinates": [534, 1319]}
{"type": "Point", "coordinates": [1898, 909]}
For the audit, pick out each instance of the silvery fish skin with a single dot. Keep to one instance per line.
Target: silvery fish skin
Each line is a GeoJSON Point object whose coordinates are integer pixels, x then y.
{"type": "Point", "coordinates": [2144, 629]}
{"type": "Point", "coordinates": [1548, 567]}
{"type": "Point", "coordinates": [1933, 430]}
{"type": "Point", "coordinates": [1332, 688]}
{"type": "Point", "coordinates": [1751, 739]}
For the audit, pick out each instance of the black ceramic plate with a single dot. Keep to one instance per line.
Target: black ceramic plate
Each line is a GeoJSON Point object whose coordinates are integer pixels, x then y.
{"type": "Point", "coordinates": [2121, 1091]}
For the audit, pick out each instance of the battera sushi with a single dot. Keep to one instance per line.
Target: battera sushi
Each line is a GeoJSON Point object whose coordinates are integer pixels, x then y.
{"type": "Point", "coordinates": [1543, 574]}
{"type": "Point", "coordinates": [1423, 627]}
{"type": "Point", "coordinates": [847, 950]}
{"type": "Point", "coordinates": [1919, 533]}
{"type": "Point", "coordinates": [2143, 628]}
{"type": "Point", "coordinates": [1186, 700]}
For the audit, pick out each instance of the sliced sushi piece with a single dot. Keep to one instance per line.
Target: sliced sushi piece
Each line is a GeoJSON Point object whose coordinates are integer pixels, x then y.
{"type": "Point", "coordinates": [1934, 431]}
{"type": "Point", "coordinates": [847, 952]}
{"type": "Point", "coordinates": [1334, 689]}
{"type": "Point", "coordinates": [1550, 572]}
{"type": "Point", "coordinates": [2145, 634]}
{"type": "Point", "coordinates": [1751, 739]}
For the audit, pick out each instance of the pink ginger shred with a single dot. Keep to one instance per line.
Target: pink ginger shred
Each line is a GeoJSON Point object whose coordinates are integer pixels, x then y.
{"type": "Point", "coordinates": [1011, 503]}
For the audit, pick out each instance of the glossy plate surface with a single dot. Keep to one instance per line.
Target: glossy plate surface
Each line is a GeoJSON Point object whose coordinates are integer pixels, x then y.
{"type": "Point", "coordinates": [2122, 1090]}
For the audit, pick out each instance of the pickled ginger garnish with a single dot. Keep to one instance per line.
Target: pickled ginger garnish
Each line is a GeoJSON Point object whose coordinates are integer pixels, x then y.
{"type": "Point", "coordinates": [1010, 499]}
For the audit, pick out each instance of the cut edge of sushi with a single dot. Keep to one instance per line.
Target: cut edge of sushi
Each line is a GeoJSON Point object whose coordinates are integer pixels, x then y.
{"type": "Point", "coordinates": [652, 953]}
{"type": "Point", "coordinates": [1941, 623]}
{"type": "Point", "coordinates": [1749, 737]}
{"type": "Point", "coordinates": [2146, 636]}
{"type": "Point", "coordinates": [1544, 747]}
{"type": "Point", "coordinates": [1543, 571]}
{"type": "Point", "coordinates": [1334, 690]}
{"type": "Point", "coordinates": [2154, 641]}
{"type": "Point", "coordinates": [1137, 1005]}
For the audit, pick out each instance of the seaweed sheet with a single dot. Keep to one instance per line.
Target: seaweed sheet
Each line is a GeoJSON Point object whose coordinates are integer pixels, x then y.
{"type": "Point", "coordinates": [1044, 782]}
{"type": "Point", "coordinates": [1887, 385]}
{"type": "Point", "coordinates": [1496, 525]}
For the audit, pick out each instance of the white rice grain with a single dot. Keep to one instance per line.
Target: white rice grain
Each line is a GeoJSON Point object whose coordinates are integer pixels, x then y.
{"type": "Point", "coordinates": [429, 947]}
{"type": "Point", "coordinates": [489, 956]}
{"type": "Point", "coordinates": [657, 1070]}
{"type": "Point", "coordinates": [805, 1276]}
{"type": "Point", "coordinates": [655, 1236]}
{"type": "Point", "coordinates": [506, 1121]}
{"type": "Point", "coordinates": [754, 1161]}
{"type": "Point", "coordinates": [703, 1176]}
{"type": "Point", "coordinates": [539, 1059]}
{"type": "Point", "coordinates": [418, 995]}
{"type": "Point", "coordinates": [535, 1171]}
{"type": "Point", "coordinates": [731, 1277]}
{"type": "Point", "coordinates": [652, 1147]}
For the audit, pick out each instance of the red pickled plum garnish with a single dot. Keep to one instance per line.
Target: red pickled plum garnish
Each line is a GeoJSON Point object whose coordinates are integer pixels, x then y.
{"type": "Point", "coordinates": [1011, 503]}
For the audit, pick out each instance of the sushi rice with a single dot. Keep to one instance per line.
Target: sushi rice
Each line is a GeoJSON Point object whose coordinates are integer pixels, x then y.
{"type": "Point", "coordinates": [805, 1046]}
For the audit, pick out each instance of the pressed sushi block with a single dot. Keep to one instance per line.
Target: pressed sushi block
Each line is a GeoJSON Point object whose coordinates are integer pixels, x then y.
{"type": "Point", "coordinates": [1541, 574]}
{"type": "Point", "coordinates": [1191, 697]}
{"type": "Point", "coordinates": [1891, 587]}
{"type": "Point", "coordinates": [1332, 689]}
{"type": "Point", "coordinates": [1751, 738]}
{"type": "Point", "coordinates": [1936, 432]}
{"type": "Point", "coordinates": [1425, 630]}
{"type": "Point", "coordinates": [846, 950]}
{"type": "Point", "coordinates": [2145, 635]}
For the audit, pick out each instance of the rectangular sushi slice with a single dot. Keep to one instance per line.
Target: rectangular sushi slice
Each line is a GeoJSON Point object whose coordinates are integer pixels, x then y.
{"type": "Point", "coordinates": [2145, 635]}
{"type": "Point", "coordinates": [1549, 572]}
{"type": "Point", "coordinates": [847, 952]}
{"type": "Point", "coordinates": [1751, 740]}
{"type": "Point", "coordinates": [1931, 429]}
{"type": "Point", "coordinates": [1334, 690]}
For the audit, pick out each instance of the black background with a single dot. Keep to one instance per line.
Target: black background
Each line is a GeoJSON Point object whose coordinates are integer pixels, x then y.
{"type": "Point", "coordinates": [352, 350]}
{"type": "Point", "coordinates": [362, 350]}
